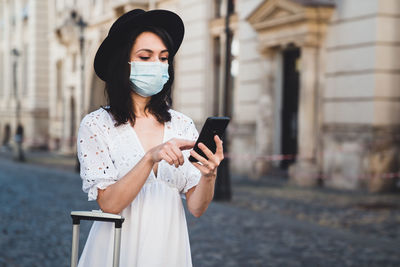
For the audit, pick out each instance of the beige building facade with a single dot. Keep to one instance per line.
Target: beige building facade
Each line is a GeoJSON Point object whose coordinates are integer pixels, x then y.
{"type": "Point", "coordinates": [338, 60]}
{"type": "Point", "coordinates": [24, 57]}
{"type": "Point", "coordinates": [78, 27]}
{"type": "Point", "coordinates": [314, 83]}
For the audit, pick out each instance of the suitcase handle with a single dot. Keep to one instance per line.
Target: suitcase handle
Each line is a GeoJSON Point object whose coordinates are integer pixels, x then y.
{"type": "Point", "coordinates": [95, 215]}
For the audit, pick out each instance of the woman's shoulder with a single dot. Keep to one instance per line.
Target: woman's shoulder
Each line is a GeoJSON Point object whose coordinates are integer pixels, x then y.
{"type": "Point", "coordinates": [183, 125]}
{"type": "Point", "coordinates": [178, 117]}
{"type": "Point", "coordinates": [99, 117]}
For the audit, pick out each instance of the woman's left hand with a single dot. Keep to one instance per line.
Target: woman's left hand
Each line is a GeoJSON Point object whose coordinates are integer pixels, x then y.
{"type": "Point", "coordinates": [208, 168]}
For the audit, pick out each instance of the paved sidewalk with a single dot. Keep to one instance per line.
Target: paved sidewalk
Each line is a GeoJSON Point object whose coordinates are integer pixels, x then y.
{"type": "Point", "coordinates": [50, 159]}
{"type": "Point", "coordinates": [368, 214]}
{"type": "Point", "coordinates": [268, 223]}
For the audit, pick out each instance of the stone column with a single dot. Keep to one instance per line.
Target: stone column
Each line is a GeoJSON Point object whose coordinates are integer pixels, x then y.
{"type": "Point", "coordinates": [305, 171]}
{"type": "Point", "coordinates": [264, 116]}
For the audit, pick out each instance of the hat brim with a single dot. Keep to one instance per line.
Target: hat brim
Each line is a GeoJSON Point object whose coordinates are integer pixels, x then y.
{"type": "Point", "coordinates": [165, 19]}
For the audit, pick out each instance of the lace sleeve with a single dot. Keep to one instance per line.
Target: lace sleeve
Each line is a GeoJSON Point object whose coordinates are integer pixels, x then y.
{"type": "Point", "coordinates": [97, 168]}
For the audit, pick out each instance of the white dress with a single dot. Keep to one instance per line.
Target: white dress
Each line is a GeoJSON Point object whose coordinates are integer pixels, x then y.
{"type": "Point", "coordinates": [155, 231]}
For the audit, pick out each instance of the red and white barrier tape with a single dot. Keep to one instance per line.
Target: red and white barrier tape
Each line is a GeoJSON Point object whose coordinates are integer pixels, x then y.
{"type": "Point", "coordinates": [261, 157]}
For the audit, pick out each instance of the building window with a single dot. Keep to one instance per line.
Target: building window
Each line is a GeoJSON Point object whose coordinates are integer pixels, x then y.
{"type": "Point", "coordinates": [234, 58]}
{"type": "Point", "coordinates": [217, 73]}
{"type": "Point", "coordinates": [223, 96]}
{"type": "Point", "coordinates": [25, 11]}
{"type": "Point", "coordinates": [119, 11]}
{"type": "Point", "coordinates": [218, 8]}
{"type": "Point", "coordinates": [13, 22]}
{"type": "Point", "coordinates": [74, 62]}
{"type": "Point", "coordinates": [59, 77]}
{"type": "Point", "coordinates": [25, 68]}
{"type": "Point", "coordinates": [219, 50]}
{"type": "Point", "coordinates": [1, 74]}
{"type": "Point", "coordinates": [1, 28]}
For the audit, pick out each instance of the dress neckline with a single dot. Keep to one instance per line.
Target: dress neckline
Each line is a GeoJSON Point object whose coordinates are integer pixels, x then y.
{"type": "Point", "coordinates": [164, 139]}
{"type": "Point", "coordinates": [142, 148]}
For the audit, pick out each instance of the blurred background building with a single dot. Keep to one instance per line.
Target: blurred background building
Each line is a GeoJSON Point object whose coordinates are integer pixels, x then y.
{"type": "Point", "coordinates": [313, 83]}
{"type": "Point", "coordinates": [24, 68]}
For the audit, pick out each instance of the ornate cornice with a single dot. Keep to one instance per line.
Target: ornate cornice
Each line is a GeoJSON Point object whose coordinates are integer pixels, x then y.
{"type": "Point", "coordinates": [280, 22]}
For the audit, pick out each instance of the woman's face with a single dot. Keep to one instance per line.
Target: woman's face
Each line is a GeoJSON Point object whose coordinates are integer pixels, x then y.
{"type": "Point", "coordinates": [148, 47]}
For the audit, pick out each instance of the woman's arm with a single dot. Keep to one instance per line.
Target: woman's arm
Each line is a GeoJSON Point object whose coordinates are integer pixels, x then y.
{"type": "Point", "coordinates": [199, 197]}
{"type": "Point", "coordinates": [119, 195]}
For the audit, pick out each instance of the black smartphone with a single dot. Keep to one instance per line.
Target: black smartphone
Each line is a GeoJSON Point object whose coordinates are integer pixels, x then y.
{"type": "Point", "coordinates": [213, 126]}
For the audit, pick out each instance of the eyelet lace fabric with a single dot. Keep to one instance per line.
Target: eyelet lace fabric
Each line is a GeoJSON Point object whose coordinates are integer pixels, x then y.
{"type": "Point", "coordinates": [106, 153]}
{"type": "Point", "coordinates": [154, 232]}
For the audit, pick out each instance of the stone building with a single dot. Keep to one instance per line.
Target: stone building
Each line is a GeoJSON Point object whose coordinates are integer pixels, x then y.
{"type": "Point", "coordinates": [347, 80]}
{"type": "Point", "coordinates": [24, 55]}
{"type": "Point", "coordinates": [327, 76]}
{"type": "Point", "coordinates": [313, 82]}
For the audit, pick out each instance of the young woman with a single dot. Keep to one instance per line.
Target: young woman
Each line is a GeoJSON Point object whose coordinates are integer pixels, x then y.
{"type": "Point", "coordinates": [134, 152]}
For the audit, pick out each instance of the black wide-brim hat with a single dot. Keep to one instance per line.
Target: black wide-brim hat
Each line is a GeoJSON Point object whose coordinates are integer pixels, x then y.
{"type": "Point", "coordinates": [165, 19]}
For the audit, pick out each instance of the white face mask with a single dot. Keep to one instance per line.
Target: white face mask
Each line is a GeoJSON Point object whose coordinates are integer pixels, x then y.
{"type": "Point", "coordinates": [148, 78]}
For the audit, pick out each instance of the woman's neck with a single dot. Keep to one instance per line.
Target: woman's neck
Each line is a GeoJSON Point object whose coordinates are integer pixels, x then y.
{"type": "Point", "coordinates": [139, 105]}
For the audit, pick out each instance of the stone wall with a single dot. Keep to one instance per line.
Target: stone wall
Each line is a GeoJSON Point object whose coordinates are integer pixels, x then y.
{"type": "Point", "coordinates": [360, 139]}
{"type": "Point", "coordinates": [361, 157]}
{"type": "Point", "coordinates": [251, 131]}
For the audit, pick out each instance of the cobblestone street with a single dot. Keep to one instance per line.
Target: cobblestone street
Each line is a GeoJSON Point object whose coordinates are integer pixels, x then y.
{"type": "Point", "coordinates": [264, 225]}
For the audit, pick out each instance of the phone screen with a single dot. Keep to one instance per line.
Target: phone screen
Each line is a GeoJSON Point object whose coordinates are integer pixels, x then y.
{"type": "Point", "coordinates": [213, 126]}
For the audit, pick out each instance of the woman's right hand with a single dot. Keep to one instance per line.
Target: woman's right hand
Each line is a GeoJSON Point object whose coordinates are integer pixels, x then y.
{"type": "Point", "coordinates": [171, 151]}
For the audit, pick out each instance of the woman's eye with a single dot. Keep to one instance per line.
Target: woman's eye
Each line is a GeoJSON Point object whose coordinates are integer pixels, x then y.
{"type": "Point", "coordinates": [164, 59]}
{"type": "Point", "coordinates": [144, 58]}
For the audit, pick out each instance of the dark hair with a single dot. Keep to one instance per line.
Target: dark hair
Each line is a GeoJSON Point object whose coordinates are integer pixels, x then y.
{"type": "Point", "coordinates": [119, 88]}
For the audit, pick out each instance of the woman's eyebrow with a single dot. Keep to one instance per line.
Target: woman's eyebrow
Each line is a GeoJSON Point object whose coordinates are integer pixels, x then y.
{"type": "Point", "coordinates": [150, 51]}
{"type": "Point", "coordinates": [144, 49]}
